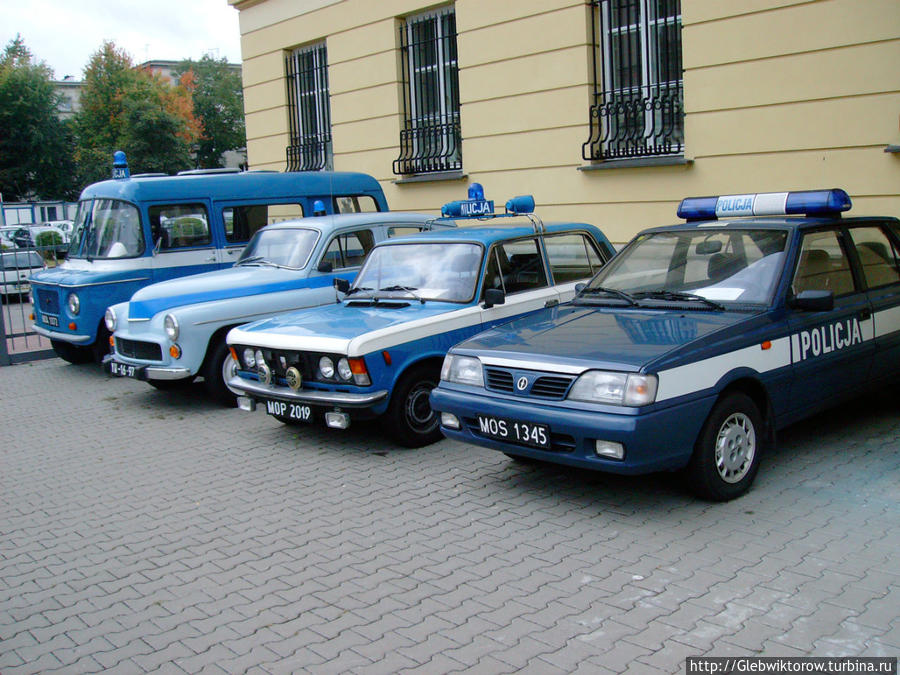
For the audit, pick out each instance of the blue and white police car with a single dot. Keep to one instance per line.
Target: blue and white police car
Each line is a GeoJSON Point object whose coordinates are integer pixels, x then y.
{"type": "Point", "coordinates": [379, 352]}
{"type": "Point", "coordinates": [170, 332]}
{"type": "Point", "coordinates": [693, 345]}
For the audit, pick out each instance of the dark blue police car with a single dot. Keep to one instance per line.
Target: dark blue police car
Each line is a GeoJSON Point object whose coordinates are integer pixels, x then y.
{"type": "Point", "coordinates": [693, 345]}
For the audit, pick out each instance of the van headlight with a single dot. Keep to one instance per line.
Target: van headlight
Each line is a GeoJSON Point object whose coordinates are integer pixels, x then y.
{"type": "Point", "coordinates": [462, 370]}
{"type": "Point", "coordinates": [74, 304]}
{"type": "Point", "coordinates": [170, 323]}
{"type": "Point", "coordinates": [599, 386]}
{"type": "Point", "coordinates": [110, 319]}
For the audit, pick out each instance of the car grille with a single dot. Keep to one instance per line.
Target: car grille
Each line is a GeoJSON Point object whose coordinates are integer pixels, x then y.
{"type": "Point", "coordinates": [135, 349]}
{"type": "Point", "coordinates": [545, 386]}
{"type": "Point", "coordinates": [48, 300]}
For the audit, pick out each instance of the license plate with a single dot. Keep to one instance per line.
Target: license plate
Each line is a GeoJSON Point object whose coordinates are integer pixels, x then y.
{"type": "Point", "coordinates": [51, 320]}
{"type": "Point", "coordinates": [123, 369]}
{"type": "Point", "coordinates": [515, 431]}
{"type": "Point", "coordinates": [291, 411]}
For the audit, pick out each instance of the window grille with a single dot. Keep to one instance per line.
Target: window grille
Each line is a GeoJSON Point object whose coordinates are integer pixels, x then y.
{"type": "Point", "coordinates": [430, 138]}
{"type": "Point", "coordinates": [638, 107]}
{"type": "Point", "coordinates": [309, 110]}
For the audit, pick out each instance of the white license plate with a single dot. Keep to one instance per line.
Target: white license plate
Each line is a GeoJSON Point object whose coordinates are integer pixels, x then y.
{"type": "Point", "coordinates": [515, 431]}
{"type": "Point", "coordinates": [291, 411]}
{"type": "Point", "coordinates": [51, 320]}
{"type": "Point", "coordinates": [123, 370]}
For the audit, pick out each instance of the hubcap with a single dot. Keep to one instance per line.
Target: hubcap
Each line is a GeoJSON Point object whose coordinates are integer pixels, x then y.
{"type": "Point", "coordinates": [735, 447]}
{"type": "Point", "coordinates": [419, 415]}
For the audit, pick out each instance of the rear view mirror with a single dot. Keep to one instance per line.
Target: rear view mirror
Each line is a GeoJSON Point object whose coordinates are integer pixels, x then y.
{"type": "Point", "coordinates": [325, 267]}
{"type": "Point", "coordinates": [342, 285]}
{"type": "Point", "coordinates": [493, 296]}
{"type": "Point", "coordinates": [813, 301]}
{"type": "Point", "coordinates": [709, 247]}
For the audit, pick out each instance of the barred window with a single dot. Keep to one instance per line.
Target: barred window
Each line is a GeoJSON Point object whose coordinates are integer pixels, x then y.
{"type": "Point", "coordinates": [638, 107]}
{"type": "Point", "coordinates": [430, 136]}
{"type": "Point", "coordinates": [309, 110]}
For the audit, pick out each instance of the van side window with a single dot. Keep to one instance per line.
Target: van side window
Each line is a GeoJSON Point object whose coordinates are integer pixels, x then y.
{"type": "Point", "coordinates": [355, 204]}
{"type": "Point", "coordinates": [349, 249]}
{"type": "Point", "coordinates": [877, 255]}
{"type": "Point", "coordinates": [242, 222]}
{"type": "Point", "coordinates": [179, 226]}
{"type": "Point", "coordinates": [571, 256]}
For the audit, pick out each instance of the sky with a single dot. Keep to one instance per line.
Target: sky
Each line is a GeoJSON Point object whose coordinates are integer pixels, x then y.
{"type": "Point", "coordinates": [65, 33]}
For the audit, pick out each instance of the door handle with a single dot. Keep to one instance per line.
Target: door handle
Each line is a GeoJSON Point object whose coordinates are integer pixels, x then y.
{"type": "Point", "coordinates": [552, 302]}
{"type": "Point", "coordinates": [212, 259]}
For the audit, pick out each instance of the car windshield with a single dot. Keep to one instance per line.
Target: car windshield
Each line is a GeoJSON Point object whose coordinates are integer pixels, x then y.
{"type": "Point", "coordinates": [713, 268]}
{"type": "Point", "coordinates": [427, 271]}
{"type": "Point", "coordinates": [15, 260]}
{"type": "Point", "coordinates": [107, 228]}
{"type": "Point", "coordinates": [287, 247]}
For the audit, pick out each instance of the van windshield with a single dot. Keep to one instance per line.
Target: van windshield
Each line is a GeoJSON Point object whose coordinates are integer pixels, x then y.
{"type": "Point", "coordinates": [107, 228]}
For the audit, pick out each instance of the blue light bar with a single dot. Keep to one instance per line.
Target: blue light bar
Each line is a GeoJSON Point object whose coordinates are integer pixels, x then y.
{"type": "Point", "coordinates": [520, 205]}
{"type": "Point", "coordinates": [806, 202]}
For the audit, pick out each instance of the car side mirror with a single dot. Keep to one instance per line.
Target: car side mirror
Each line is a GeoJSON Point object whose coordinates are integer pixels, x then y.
{"type": "Point", "coordinates": [325, 267]}
{"type": "Point", "coordinates": [494, 296]}
{"type": "Point", "coordinates": [342, 285]}
{"type": "Point", "coordinates": [813, 301]}
{"type": "Point", "coordinates": [580, 286]}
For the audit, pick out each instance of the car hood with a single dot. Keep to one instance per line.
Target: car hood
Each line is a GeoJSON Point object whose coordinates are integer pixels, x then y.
{"type": "Point", "coordinates": [614, 339]}
{"type": "Point", "coordinates": [224, 284]}
{"type": "Point", "coordinates": [74, 277]}
{"type": "Point", "coordinates": [340, 326]}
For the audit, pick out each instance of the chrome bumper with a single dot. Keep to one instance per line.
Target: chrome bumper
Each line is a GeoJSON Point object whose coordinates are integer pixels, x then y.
{"type": "Point", "coordinates": [64, 337]}
{"type": "Point", "coordinates": [336, 398]}
{"type": "Point", "coordinates": [152, 372]}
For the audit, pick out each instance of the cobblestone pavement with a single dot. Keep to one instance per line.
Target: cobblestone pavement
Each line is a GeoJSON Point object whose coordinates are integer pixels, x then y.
{"type": "Point", "coordinates": [144, 530]}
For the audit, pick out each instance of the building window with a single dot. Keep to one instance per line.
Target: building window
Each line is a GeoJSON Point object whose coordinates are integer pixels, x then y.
{"type": "Point", "coordinates": [309, 110]}
{"type": "Point", "coordinates": [638, 107]}
{"type": "Point", "coordinates": [430, 137]}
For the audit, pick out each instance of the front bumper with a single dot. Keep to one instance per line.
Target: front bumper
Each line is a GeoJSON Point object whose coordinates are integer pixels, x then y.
{"type": "Point", "coordinates": [64, 337]}
{"type": "Point", "coordinates": [658, 440]}
{"type": "Point", "coordinates": [142, 372]}
{"type": "Point", "coordinates": [339, 399]}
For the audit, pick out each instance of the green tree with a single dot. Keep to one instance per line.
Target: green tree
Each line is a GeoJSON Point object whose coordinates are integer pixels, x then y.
{"type": "Point", "coordinates": [125, 108]}
{"type": "Point", "coordinates": [218, 105]}
{"type": "Point", "coordinates": [35, 145]}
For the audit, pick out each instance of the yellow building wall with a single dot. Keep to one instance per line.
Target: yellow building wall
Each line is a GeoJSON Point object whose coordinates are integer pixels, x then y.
{"type": "Point", "coordinates": [779, 95]}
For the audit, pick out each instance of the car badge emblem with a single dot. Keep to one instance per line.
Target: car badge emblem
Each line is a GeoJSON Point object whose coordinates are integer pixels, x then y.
{"type": "Point", "coordinates": [522, 383]}
{"type": "Point", "coordinates": [293, 378]}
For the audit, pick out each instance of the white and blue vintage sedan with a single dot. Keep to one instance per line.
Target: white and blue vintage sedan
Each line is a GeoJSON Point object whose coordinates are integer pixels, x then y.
{"type": "Point", "coordinates": [173, 331]}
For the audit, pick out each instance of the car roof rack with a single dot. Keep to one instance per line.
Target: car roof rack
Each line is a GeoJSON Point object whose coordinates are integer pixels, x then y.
{"type": "Point", "coordinates": [479, 208]}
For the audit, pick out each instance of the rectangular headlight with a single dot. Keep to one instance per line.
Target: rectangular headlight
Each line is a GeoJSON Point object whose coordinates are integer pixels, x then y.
{"type": "Point", "coordinates": [598, 386]}
{"type": "Point", "coordinates": [462, 370]}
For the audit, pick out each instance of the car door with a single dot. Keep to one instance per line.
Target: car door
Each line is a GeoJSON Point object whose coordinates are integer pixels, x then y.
{"type": "Point", "coordinates": [831, 351]}
{"type": "Point", "coordinates": [877, 248]}
{"type": "Point", "coordinates": [241, 220]}
{"type": "Point", "coordinates": [517, 268]}
{"type": "Point", "coordinates": [182, 239]}
{"type": "Point", "coordinates": [343, 254]}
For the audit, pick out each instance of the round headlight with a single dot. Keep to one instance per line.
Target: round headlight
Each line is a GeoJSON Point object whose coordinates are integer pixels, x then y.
{"type": "Point", "coordinates": [249, 358]}
{"type": "Point", "coordinates": [110, 319]}
{"type": "Point", "coordinates": [326, 367]}
{"type": "Point", "coordinates": [344, 369]}
{"type": "Point", "coordinates": [258, 355]}
{"type": "Point", "coordinates": [74, 304]}
{"type": "Point", "coordinates": [171, 325]}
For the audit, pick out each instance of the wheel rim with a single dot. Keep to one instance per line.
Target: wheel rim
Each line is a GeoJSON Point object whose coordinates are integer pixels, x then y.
{"type": "Point", "coordinates": [419, 415]}
{"type": "Point", "coordinates": [735, 447]}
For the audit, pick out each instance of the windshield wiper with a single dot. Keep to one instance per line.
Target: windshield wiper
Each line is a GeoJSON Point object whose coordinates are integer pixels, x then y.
{"type": "Point", "coordinates": [681, 295]}
{"type": "Point", "coordinates": [405, 289]}
{"type": "Point", "coordinates": [357, 289]}
{"type": "Point", "coordinates": [596, 290]}
{"type": "Point", "coordinates": [251, 259]}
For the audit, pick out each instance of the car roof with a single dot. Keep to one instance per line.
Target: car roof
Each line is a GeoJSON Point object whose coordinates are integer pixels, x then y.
{"type": "Point", "coordinates": [337, 221]}
{"type": "Point", "coordinates": [767, 222]}
{"type": "Point", "coordinates": [489, 234]}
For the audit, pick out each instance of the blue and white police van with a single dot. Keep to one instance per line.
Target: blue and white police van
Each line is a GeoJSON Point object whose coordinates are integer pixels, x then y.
{"type": "Point", "coordinates": [132, 231]}
{"type": "Point", "coordinates": [693, 345]}
{"type": "Point", "coordinates": [379, 352]}
{"type": "Point", "coordinates": [169, 333]}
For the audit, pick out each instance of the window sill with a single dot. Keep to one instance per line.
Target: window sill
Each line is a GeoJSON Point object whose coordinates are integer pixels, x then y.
{"type": "Point", "coordinates": [892, 148]}
{"type": "Point", "coordinates": [636, 163]}
{"type": "Point", "coordinates": [430, 177]}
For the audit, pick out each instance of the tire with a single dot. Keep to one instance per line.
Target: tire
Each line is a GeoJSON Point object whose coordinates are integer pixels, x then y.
{"type": "Point", "coordinates": [727, 452]}
{"type": "Point", "coordinates": [100, 348]}
{"type": "Point", "coordinates": [72, 353]}
{"type": "Point", "coordinates": [413, 423]}
{"type": "Point", "coordinates": [171, 385]}
{"type": "Point", "coordinates": [218, 362]}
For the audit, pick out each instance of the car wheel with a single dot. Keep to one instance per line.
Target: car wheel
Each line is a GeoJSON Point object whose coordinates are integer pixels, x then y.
{"type": "Point", "coordinates": [71, 353]}
{"type": "Point", "coordinates": [216, 369]}
{"type": "Point", "coordinates": [726, 455]}
{"type": "Point", "coordinates": [413, 423]}
{"type": "Point", "coordinates": [100, 348]}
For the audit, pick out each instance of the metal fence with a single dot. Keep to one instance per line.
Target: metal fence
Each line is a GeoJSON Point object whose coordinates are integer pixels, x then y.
{"type": "Point", "coordinates": [18, 340]}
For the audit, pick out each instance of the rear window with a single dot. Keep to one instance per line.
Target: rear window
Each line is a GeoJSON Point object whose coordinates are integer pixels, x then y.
{"type": "Point", "coordinates": [20, 260]}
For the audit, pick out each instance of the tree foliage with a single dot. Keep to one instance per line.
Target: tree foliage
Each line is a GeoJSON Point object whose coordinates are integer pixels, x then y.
{"type": "Point", "coordinates": [130, 109]}
{"type": "Point", "coordinates": [35, 145]}
{"type": "Point", "coordinates": [218, 104]}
